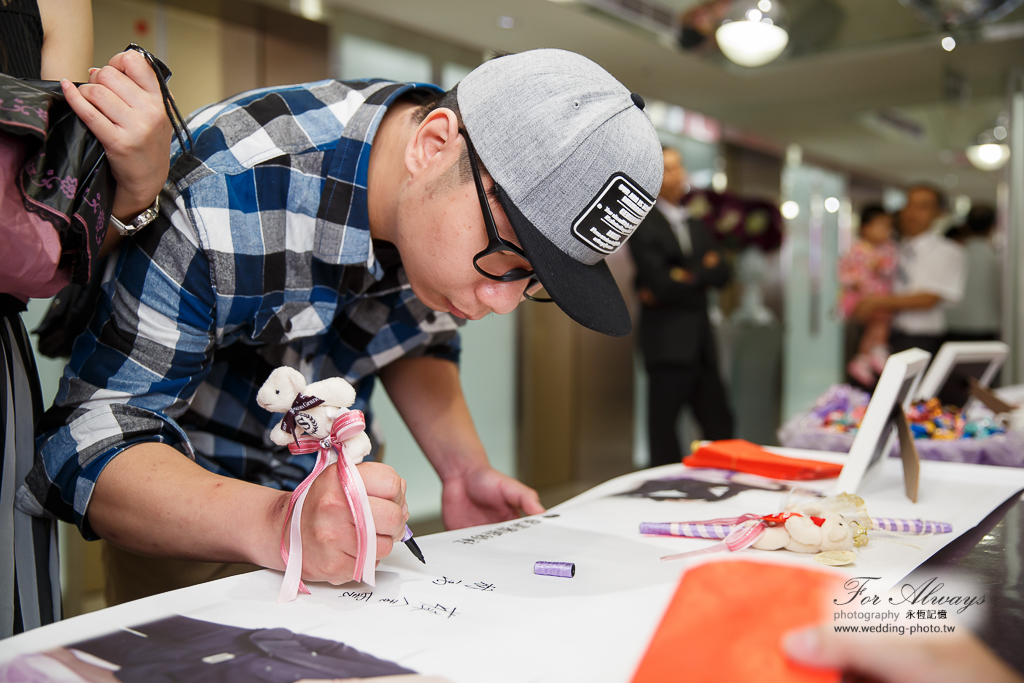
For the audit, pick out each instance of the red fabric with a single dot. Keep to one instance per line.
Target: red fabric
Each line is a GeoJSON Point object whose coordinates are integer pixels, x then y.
{"type": "Point", "coordinates": [780, 519]}
{"type": "Point", "coordinates": [743, 456]}
{"type": "Point", "coordinates": [726, 623]}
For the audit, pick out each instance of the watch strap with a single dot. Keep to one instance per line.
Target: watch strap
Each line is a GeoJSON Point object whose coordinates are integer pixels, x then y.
{"type": "Point", "coordinates": [141, 221]}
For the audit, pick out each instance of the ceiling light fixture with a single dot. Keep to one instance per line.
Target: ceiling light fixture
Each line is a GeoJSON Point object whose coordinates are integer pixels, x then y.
{"type": "Point", "coordinates": [506, 22]}
{"type": "Point", "coordinates": [988, 157]}
{"type": "Point", "coordinates": [948, 43]}
{"type": "Point", "coordinates": [988, 153]}
{"type": "Point", "coordinates": [751, 34]}
{"type": "Point", "coordinates": [309, 9]}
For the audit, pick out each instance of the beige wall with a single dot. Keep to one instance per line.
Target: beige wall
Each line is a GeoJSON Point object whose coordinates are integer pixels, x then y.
{"type": "Point", "coordinates": [188, 42]}
{"type": "Point", "coordinates": [212, 57]}
{"type": "Point", "coordinates": [576, 400]}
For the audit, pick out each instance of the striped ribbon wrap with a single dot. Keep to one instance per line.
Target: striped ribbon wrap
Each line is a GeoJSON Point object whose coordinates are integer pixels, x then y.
{"type": "Point", "coordinates": [742, 532]}
{"type": "Point", "coordinates": [328, 450]}
{"type": "Point", "coordinates": [911, 526]}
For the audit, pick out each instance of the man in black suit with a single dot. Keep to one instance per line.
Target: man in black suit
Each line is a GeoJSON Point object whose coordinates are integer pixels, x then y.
{"type": "Point", "coordinates": [676, 263]}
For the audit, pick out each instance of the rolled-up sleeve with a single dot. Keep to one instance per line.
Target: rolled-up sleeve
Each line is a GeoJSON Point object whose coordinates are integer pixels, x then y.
{"type": "Point", "coordinates": [132, 372]}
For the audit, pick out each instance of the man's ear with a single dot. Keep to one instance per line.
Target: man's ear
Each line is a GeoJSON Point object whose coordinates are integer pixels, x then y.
{"type": "Point", "coordinates": [434, 145]}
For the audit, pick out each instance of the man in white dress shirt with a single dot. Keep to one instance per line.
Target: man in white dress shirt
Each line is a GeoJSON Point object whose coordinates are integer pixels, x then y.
{"type": "Point", "coordinates": [930, 277]}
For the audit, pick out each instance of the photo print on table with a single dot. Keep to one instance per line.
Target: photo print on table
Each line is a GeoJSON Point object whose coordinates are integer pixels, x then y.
{"type": "Point", "coordinates": [180, 648]}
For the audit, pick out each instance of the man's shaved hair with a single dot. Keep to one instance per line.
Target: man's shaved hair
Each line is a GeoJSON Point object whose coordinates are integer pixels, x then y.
{"type": "Point", "coordinates": [461, 173]}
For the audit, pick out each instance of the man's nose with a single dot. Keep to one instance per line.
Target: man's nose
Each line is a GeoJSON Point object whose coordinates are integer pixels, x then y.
{"type": "Point", "coordinates": [501, 297]}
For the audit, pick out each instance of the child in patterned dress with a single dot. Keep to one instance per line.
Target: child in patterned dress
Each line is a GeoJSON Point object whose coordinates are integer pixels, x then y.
{"type": "Point", "coordinates": [868, 269]}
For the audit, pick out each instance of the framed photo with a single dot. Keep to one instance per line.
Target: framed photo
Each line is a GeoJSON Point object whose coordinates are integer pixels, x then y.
{"type": "Point", "coordinates": [955, 365]}
{"type": "Point", "coordinates": [884, 417]}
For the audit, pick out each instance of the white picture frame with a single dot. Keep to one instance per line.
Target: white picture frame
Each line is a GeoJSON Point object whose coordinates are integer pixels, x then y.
{"type": "Point", "coordinates": [980, 360]}
{"type": "Point", "coordinates": [896, 388]}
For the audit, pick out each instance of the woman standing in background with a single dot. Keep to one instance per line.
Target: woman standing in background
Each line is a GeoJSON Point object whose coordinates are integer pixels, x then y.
{"type": "Point", "coordinates": [123, 107]}
{"type": "Point", "coordinates": [977, 316]}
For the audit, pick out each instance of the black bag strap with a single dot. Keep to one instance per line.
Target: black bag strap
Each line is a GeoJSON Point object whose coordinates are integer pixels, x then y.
{"type": "Point", "coordinates": [163, 74]}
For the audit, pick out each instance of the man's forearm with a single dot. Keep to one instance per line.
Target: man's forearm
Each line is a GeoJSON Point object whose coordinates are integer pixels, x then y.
{"type": "Point", "coordinates": [907, 302]}
{"type": "Point", "coordinates": [428, 395]}
{"type": "Point", "coordinates": [154, 501]}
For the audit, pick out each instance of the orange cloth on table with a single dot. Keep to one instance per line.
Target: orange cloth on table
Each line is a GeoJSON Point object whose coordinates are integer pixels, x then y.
{"type": "Point", "coordinates": [743, 456]}
{"type": "Point", "coordinates": [727, 620]}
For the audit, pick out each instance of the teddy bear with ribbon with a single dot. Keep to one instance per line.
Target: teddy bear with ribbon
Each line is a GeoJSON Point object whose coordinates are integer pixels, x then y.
{"type": "Point", "coordinates": [831, 526]}
{"type": "Point", "coordinates": [795, 531]}
{"type": "Point", "coordinates": [317, 420]}
{"type": "Point", "coordinates": [804, 533]}
{"type": "Point", "coordinates": [820, 525]}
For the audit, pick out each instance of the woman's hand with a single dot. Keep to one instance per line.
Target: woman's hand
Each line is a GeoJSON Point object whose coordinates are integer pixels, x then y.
{"type": "Point", "coordinates": [122, 105]}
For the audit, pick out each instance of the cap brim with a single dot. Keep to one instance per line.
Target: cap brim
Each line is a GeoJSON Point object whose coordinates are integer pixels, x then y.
{"type": "Point", "coordinates": [587, 294]}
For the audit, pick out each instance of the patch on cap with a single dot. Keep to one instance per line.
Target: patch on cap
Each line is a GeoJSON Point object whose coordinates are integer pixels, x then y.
{"type": "Point", "coordinates": [613, 214]}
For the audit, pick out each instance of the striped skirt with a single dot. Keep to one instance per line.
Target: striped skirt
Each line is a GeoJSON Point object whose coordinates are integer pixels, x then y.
{"type": "Point", "coordinates": [29, 572]}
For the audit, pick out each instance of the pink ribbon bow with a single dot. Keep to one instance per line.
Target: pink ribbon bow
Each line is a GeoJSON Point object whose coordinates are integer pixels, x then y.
{"type": "Point", "coordinates": [329, 450]}
{"type": "Point", "coordinates": [746, 529]}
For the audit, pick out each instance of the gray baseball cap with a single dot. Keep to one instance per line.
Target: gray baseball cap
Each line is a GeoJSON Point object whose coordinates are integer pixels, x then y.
{"type": "Point", "coordinates": [577, 165]}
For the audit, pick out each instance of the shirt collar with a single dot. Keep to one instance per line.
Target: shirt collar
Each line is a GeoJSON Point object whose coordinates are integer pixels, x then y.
{"type": "Point", "coordinates": [671, 211]}
{"type": "Point", "coordinates": [918, 240]}
{"type": "Point", "coordinates": [349, 167]}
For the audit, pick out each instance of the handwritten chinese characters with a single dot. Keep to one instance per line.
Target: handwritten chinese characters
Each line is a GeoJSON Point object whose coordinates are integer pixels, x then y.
{"type": "Point", "coordinates": [498, 531]}
{"type": "Point", "coordinates": [479, 585]}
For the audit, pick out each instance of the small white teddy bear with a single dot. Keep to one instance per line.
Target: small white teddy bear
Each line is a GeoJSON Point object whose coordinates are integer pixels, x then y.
{"type": "Point", "coordinates": [285, 385]}
{"type": "Point", "coordinates": [801, 535]}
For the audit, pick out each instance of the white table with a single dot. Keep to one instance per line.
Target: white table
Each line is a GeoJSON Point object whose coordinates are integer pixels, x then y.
{"type": "Point", "coordinates": [476, 612]}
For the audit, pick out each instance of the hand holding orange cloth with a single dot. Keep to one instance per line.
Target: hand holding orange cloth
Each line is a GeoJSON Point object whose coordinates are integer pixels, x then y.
{"type": "Point", "coordinates": [726, 623]}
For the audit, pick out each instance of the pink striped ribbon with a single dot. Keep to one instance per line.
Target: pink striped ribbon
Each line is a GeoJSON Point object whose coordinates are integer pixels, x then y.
{"type": "Point", "coordinates": [346, 426]}
{"type": "Point", "coordinates": [709, 528]}
{"type": "Point", "coordinates": [741, 537]}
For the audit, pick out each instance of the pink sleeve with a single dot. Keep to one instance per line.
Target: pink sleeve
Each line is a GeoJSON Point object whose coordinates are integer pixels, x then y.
{"type": "Point", "coordinates": [850, 270]}
{"type": "Point", "coordinates": [33, 245]}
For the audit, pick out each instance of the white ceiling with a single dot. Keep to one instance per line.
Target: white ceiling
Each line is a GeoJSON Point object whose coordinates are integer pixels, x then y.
{"type": "Point", "coordinates": [882, 58]}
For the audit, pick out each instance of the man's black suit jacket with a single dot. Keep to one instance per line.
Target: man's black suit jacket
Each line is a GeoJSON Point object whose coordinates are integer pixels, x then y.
{"type": "Point", "coordinates": [675, 329]}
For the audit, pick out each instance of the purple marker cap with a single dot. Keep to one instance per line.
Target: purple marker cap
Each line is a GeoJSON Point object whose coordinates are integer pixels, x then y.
{"type": "Point", "coordinates": [564, 569]}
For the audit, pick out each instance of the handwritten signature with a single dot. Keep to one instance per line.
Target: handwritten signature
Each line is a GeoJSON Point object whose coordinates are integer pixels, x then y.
{"type": "Point", "coordinates": [416, 606]}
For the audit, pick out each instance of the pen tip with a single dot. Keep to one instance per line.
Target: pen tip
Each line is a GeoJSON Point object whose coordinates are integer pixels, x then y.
{"type": "Point", "coordinates": [417, 553]}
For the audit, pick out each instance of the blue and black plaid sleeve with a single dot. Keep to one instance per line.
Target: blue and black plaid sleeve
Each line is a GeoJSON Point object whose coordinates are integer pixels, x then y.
{"type": "Point", "coordinates": [262, 256]}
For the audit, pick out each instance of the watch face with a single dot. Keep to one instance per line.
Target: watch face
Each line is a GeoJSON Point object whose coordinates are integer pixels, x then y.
{"type": "Point", "coordinates": [141, 221]}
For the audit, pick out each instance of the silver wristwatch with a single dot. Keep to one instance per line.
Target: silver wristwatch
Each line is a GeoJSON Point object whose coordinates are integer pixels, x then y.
{"type": "Point", "coordinates": [141, 221]}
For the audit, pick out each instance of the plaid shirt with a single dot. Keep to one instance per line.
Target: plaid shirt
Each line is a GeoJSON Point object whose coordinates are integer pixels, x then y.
{"type": "Point", "coordinates": [261, 257]}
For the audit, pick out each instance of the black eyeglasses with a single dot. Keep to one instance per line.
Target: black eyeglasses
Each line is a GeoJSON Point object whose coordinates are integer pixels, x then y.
{"type": "Point", "coordinates": [499, 253]}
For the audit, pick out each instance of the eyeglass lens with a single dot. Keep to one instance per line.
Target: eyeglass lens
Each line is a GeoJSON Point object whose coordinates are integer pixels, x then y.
{"type": "Point", "coordinates": [500, 260]}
